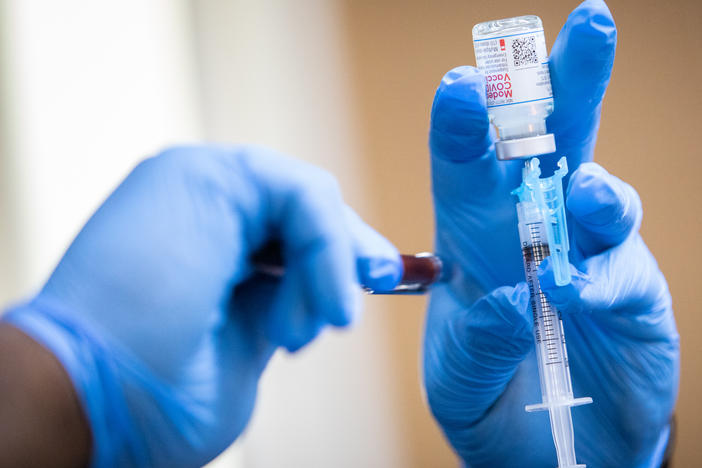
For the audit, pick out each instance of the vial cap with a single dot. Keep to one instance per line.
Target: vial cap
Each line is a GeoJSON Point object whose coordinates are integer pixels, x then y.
{"type": "Point", "coordinates": [519, 148]}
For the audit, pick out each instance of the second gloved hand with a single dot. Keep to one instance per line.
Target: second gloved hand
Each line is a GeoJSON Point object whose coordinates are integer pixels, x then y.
{"type": "Point", "coordinates": [479, 366]}
{"type": "Point", "coordinates": [158, 317]}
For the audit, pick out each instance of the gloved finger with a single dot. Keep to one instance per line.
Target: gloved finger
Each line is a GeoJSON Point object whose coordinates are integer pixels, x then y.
{"type": "Point", "coordinates": [292, 324]}
{"type": "Point", "coordinates": [581, 65]}
{"type": "Point", "coordinates": [378, 262]}
{"type": "Point", "coordinates": [317, 244]}
{"type": "Point", "coordinates": [471, 354]}
{"type": "Point", "coordinates": [304, 207]}
{"type": "Point", "coordinates": [605, 210]}
{"type": "Point", "coordinates": [250, 304]}
{"type": "Point", "coordinates": [622, 286]}
{"type": "Point", "coordinates": [461, 139]}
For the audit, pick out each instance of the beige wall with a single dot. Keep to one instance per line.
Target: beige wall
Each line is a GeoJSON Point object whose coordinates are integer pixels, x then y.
{"type": "Point", "coordinates": [649, 137]}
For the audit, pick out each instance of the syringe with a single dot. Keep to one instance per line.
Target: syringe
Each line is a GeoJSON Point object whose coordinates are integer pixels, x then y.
{"type": "Point", "coordinates": [543, 233]}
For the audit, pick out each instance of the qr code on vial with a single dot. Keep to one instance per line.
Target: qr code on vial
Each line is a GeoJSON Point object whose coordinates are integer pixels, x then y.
{"type": "Point", "coordinates": [524, 51]}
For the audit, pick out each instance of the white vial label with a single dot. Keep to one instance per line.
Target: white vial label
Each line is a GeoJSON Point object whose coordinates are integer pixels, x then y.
{"type": "Point", "coordinates": [515, 68]}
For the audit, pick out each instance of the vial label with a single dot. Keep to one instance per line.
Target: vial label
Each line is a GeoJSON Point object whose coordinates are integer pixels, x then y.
{"type": "Point", "coordinates": [515, 68]}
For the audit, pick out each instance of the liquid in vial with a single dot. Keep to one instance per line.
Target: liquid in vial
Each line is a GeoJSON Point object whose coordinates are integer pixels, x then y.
{"type": "Point", "coordinates": [511, 53]}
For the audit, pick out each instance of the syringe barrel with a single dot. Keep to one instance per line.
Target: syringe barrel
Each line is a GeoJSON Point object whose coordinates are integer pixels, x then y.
{"type": "Point", "coordinates": [543, 233]}
{"type": "Point", "coordinates": [548, 327]}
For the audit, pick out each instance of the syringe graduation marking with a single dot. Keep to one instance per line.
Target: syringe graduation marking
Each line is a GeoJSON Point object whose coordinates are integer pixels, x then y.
{"type": "Point", "coordinates": [534, 254]}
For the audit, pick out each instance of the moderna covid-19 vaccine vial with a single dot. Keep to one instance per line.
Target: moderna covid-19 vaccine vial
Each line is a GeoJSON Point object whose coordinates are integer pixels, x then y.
{"type": "Point", "coordinates": [511, 53]}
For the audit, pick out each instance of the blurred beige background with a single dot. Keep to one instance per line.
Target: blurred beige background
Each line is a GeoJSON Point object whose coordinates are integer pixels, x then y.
{"type": "Point", "coordinates": [87, 88]}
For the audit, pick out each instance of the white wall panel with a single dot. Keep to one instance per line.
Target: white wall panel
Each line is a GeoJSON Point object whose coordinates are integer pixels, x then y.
{"type": "Point", "coordinates": [88, 89]}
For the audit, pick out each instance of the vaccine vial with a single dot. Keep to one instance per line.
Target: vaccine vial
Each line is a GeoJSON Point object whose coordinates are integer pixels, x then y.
{"type": "Point", "coordinates": [511, 53]}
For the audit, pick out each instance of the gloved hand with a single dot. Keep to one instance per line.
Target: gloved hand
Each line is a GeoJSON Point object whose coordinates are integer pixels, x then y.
{"type": "Point", "coordinates": [479, 365]}
{"type": "Point", "coordinates": [155, 311]}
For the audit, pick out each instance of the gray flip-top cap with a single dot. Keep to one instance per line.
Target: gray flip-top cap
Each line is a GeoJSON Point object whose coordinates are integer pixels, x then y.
{"type": "Point", "coordinates": [525, 147]}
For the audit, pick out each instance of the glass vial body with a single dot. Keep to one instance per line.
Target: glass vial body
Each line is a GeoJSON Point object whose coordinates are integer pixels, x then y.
{"type": "Point", "coordinates": [511, 53]}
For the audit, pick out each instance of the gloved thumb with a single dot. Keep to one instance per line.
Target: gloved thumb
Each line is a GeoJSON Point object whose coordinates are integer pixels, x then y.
{"type": "Point", "coordinates": [471, 354]}
{"type": "Point", "coordinates": [461, 139]}
{"type": "Point", "coordinates": [621, 287]}
{"type": "Point", "coordinates": [605, 210]}
{"type": "Point", "coordinates": [378, 263]}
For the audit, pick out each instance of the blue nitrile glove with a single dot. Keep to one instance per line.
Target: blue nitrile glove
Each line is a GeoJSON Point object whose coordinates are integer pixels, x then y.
{"type": "Point", "coordinates": [480, 369]}
{"type": "Point", "coordinates": [157, 316]}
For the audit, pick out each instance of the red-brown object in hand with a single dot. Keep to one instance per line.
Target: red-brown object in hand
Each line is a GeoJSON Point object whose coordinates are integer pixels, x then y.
{"type": "Point", "coordinates": [419, 271]}
{"type": "Point", "coordinates": [422, 269]}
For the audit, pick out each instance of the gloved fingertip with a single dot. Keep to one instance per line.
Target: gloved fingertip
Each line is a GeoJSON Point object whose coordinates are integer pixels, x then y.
{"type": "Point", "coordinates": [353, 305]}
{"type": "Point", "coordinates": [564, 298]}
{"type": "Point", "coordinates": [507, 309]}
{"type": "Point", "coordinates": [292, 348]}
{"type": "Point", "coordinates": [460, 73]}
{"type": "Point", "coordinates": [520, 300]}
{"type": "Point", "coordinates": [581, 61]}
{"type": "Point", "coordinates": [459, 128]}
{"type": "Point", "coordinates": [342, 310]}
{"type": "Point", "coordinates": [330, 283]}
{"type": "Point", "coordinates": [520, 296]}
{"type": "Point", "coordinates": [380, 274]}
{"type": "Point", "coordinates": [592, 28]}
{"type": "Point", "coordinates": [378, 263]}
{"type": "Point", "coordinates": [298, 339]}
{"type": "Point", "coordinates": [547, 279]}
{"type": "Point", "coordinates": [592, 197]}
{"type": "Point", "coordinates": [603, 206]}
{"type": "Point", "coordinates": [294, 320]}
